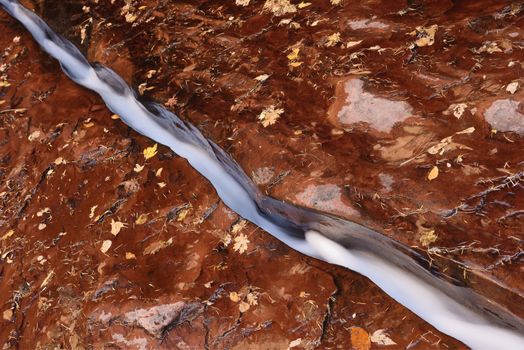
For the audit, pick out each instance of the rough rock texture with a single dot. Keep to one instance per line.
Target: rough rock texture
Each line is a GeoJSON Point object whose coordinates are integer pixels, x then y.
{"type": "Point", "coordinates": [374, 96]}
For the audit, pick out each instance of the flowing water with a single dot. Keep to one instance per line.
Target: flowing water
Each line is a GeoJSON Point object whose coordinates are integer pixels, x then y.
{"type": "Point", "coordinates": [395, 268]}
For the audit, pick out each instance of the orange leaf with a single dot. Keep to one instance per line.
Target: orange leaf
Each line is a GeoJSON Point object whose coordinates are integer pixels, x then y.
{"type": "Point", "coordinates": [360, 339]}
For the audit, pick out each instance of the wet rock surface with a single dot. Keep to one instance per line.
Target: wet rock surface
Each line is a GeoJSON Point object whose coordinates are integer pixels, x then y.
{"type": "Point", "coordinates": [357, 123]}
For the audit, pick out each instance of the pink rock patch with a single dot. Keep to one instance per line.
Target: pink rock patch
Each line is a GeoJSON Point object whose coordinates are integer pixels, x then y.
{"type": "Point", "coordinates": [506, 115]}
{"type": "Point", "coordinates": [363, 107]}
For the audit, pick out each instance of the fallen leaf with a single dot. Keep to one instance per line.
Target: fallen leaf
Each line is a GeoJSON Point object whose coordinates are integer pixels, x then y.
{"type": "Point", "coordinates": [457, 109]}
{"type": "Point", "coordinates": [239, 226]}
{"type": "Point", "coordinates": [380, 337]}
{"type": "Point", "coordinates": [298, 341]}
{"type": "Point", "coordinates": [41, 226]}
{"type": "Point", "coordinates": [154, 247]}
{"type": "Point", "coordinates": [294, 54]}
{"type": "Point", "coordinates": [4, 83]}
{"type": "Point", "coordinates": [252, 299]}
{"type": "Point", "coordinates": [353, 43]}
{"type": "Point", "coordinates": [150, 152]}
{"type": "Point", "coordinates": [433, 173]}
{"type": "Point", "coordinates": [116, 226]}
{"type": "Point", "coordinates": [34, 135]}
{"type": "Point", "coordinates": [241, 242]}
{"type": "Point", "coordinates": [159, 172]}
{"type": "Point", "coordinates": [243, 306]}
{"type": "Point", "coordinates": [7, 235]}
{"type": "Point", "coordinates": [150, 73]}
{"type": "Point", "coordinates": [7, 314]}
{"type": "Point", "coordinates": [262, 77]}
{"type": "Point", "coordinates": [427, 237]}
{"type": "Point", "coordinates": [512, 87]}
{"type": "Point", "coordinates": [92, 211]}
{"type": "Point", "coordinates": [138, 168]}
{"type": "Point", "coordinates": [270, 115]}
{"type": "Point", "coordinates": [242, 2]}
{"type": "Point", "coordinates": [333, 39]}
{"type": "Point", "coordinates": [360, 339]}
{"type": "Point", "coordinates": [130, 18]}
{"type": "Point", "coordinates": [295, 64]}
{"type": "Point", "coordinates": [171, 102]}
{"type": "Point", "coordinates": [489, 47]}
{"type": "Point", "coordinates": [47, 279]}
{"type": "Point", "coordinates": [303, 5]}
{"type": "Point", "coordinates": [425, 35]}
{"type": "Point", "coordinates": [142, 219]}
{"type": "Point", "coordinates": [182, 214]}
{"type": "Point", "coordinates": [234, 297]}
{"type": "Point", "coordinates": [105, 246]}
{"type": "Point", "coordinates": [279, 7]}
{"type": "Point", "coordinates": [130, 256]}
{"type": "Point", "coordinates": [469, 130]}
{"type": "Point", "coordinates": [115, 117]}
{"type": "Point", "coordinates": [161, 184]}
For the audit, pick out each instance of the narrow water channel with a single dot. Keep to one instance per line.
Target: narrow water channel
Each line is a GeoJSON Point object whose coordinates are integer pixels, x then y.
{"type": "Point", "coordinates": [398, 270]}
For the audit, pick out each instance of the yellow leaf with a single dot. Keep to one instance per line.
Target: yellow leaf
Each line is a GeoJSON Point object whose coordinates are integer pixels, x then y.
{"type": "Point", "coordinates": [294, 54]}
{"type": "Point", "coordinates": [333, 39]}
{"type": "Point", "coordinates": [303, 5]}
{"type": "Point", "coordinates": [433, 173]}
{"type": "Point", "coordinates": [161, 184]}
{"type": "Point", "coordinates": [141, 219]}
{"type": "Point", "coordinates": [4, 83]}
{"type": "Point", "coordinates": [92, 211]}
{"type": "Point", "coordinates": [234, 297]}
{"type": "Point", "coordinates": [243, 306]}
{"type": "Point", "coordinates": [105, 246]}
{"type": "Point", "coordinates": [115, 117]}
{"type": "Point", "coordinates": [182, 215]}
{"type": "Point", "coordinates": [295, 64]}
{"type": "Point", "coordinates": [426, 35]}
{"type": "Point", "coordinates": [7, 235]}
{"type": "Point", "coordinates": [150, 152]}
{"type": "Point", "coordinates": [158, 172]}
{"type": "Point", "coordinates": [130, 256]}
{"type": "Point", "coordinates": [427, 237]}
{"type": "Point", "coordinates": [2, 102]}
{"type": "Point", "coordinates": [130, 18]}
